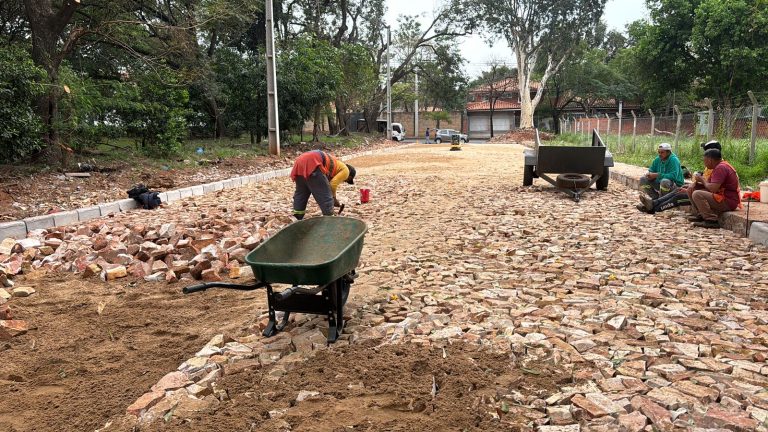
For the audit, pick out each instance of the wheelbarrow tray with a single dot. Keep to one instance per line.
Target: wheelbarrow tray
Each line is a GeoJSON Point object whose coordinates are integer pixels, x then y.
{"type": "Point", "coordinates": [314, 251]}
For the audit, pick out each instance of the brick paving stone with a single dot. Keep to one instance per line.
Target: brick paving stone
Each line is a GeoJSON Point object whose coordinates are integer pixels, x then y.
{"type": "Point", "coordinates": [728, 419]}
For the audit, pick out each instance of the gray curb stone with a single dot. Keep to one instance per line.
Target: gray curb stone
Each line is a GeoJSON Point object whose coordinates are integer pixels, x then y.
{"type": "Point", "coordinates": [108, 208]}
{"type": "Point", "coordinates": [173, 195]}
{"type": "Point", "coordinates": [185, 193]}
{"type": "Point", "coordinates": [39, 222]}
{"type": "Point", "coordinates": [66, 218]}
{"type": "Point", "coordinates": [198, 190]}
{"type": "Point", "coordinates": [127, 204]}
{"type": "Point", "coordinates": [15, 229]}
{"type": "Point", "coordinates": [88, 213]}
{"type": "Point", "coordinates": [758, 233]}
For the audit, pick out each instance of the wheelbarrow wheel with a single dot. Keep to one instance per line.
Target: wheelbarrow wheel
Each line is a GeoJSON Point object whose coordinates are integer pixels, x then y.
{"type": "Point", "coordinates": [602, 182]}
{"type": "Point", "coordinates": [572, 181]}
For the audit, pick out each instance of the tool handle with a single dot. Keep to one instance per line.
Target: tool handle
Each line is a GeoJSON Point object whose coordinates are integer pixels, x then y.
{"type": "Point", "coordinates": [195, 288]}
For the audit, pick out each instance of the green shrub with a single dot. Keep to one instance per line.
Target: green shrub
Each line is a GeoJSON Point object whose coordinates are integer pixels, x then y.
{"type": "Point", "coordinates": [20, 85]}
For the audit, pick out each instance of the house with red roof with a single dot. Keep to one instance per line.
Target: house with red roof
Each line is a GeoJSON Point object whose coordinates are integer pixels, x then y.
{"type": "Point", "coordinates": [494, 104]}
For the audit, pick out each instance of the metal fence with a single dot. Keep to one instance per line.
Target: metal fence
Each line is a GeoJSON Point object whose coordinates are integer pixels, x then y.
{"type": "Point", "coordinates": [701, 120]}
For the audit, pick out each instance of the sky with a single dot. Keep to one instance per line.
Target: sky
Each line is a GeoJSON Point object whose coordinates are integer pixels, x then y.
{"type": "Point", "coordinates": [478, 53]}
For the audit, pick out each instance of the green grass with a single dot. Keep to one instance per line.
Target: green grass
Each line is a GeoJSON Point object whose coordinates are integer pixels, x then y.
{"type": "Point", "coordinates": [642, 152]}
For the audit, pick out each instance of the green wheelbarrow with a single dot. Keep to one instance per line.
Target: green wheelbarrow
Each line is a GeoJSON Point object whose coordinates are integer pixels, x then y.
{"type": "Point", "coordinates": [321, 253]}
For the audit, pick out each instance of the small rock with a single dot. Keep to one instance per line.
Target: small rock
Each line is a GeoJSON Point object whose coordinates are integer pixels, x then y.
{"type": "Point", "coordinates": [115, 273]}
{"type": "Point", "coordinates": [305, 395]}
{"type": "Point", "coordinates": [23, 291]}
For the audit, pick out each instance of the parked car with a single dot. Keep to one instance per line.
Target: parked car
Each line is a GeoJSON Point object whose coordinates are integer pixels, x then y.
{"type": "Point", "coordinates": [444, 135]}
{"type": "Point", "coordinates": [398, 132]}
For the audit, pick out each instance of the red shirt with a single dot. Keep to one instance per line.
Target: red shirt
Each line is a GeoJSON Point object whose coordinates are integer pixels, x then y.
{"type": "Point", "coordinates": [308, 162]}
{"type": "Point", "coordinates": [726, 176]}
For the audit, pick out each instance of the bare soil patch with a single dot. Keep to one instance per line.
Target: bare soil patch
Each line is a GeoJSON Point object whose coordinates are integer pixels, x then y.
{"type": "Point", "coordinates": [387, 388]}
{"type": "Point", "coordinates": [76, 368]}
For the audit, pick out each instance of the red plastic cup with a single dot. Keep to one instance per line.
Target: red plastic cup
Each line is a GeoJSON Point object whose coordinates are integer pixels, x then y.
{"type": "Point", "coordinates": [365, 195]}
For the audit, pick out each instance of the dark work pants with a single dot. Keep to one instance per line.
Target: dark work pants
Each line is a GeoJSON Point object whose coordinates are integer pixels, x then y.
{"type": "Point", "coordinates": [671, 200]}
{"type": "Point", "coordinates": [319, 187]}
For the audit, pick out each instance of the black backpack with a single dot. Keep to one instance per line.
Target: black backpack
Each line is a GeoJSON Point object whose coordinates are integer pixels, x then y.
{"type": "Point", "coordinates": [148, 199]}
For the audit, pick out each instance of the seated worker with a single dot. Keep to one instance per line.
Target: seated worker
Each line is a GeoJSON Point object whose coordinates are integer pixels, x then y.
{"type": "Point", "coordinates": [717, 195]}
{"type": "Point", "coordinates": [319, 174]}
{"type": "Point", "coordinates": [664, 175]}
{"type": "Point", "coordinates": [681, 197]}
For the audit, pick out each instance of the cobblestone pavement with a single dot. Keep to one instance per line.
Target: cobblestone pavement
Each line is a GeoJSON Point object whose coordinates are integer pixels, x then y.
{"type": "Point", "coordinates": [663, 325]}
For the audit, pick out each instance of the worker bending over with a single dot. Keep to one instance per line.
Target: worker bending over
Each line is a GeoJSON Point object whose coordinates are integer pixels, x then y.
{"type": "Point", "coordinates": [318, 173]}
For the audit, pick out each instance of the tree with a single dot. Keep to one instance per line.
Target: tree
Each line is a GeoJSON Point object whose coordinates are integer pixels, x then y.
{"type": "Point", "coordinates": [243, 84]}
{"type": "Point", "coordinates": [442, 80]}
{"type": "Point", "coordinates": [437, 117]}
{"type": "Point", "coordinates": [497, 81]}
{"type": "Point", "coordinates": [729, 41]}
{"type": "Point", "coordinates": [533, 28]}
{"type": "Point", "coordinates": [52, 40]}
{"type": "Point", "coordinates": [19, 86]}
{"type": "Point", "coordinates": [661, 52]}
{"type": "Point", "coordinates": [358, 81]}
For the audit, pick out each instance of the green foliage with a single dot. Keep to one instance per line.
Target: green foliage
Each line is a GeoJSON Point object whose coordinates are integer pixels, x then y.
{"type": "Point", "coordinates": [152, 108]}
{"type": "Point", "coordinates": [706, 48]}
{"type": "Point", "coordinates": [310, 77]}
{"type": "Point", "coordinates": [729, 40]}
{"type": "Point", "coordinates": [84, 112]}
{"type": "Point", "coordinates": [242, 80]}
{"type": "Point", "coordinates": [19, 86]}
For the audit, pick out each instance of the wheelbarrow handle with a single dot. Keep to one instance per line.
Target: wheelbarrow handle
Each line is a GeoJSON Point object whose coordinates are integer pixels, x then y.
{"type": "Point", "coordinates": [205, 286]}
{"type": "Point", "coordinates": [195, 288]}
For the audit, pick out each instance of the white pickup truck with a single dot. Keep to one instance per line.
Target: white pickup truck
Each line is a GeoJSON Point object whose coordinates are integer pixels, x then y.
{"type": "Point", "coordinates": [398, 132]}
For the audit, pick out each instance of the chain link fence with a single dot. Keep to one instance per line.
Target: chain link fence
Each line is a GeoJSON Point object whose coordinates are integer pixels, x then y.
{"type": "Point", "coordinates": [745, 125]}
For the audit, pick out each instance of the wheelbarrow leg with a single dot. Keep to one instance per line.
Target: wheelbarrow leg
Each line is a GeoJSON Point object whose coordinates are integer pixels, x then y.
{"type": "Point", "coordinates": [330, 295]}
{"type": "Point", "coordinates": [273, 327]}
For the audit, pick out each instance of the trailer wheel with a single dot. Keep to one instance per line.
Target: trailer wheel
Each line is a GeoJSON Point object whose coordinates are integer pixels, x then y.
{"type": "Point", "coordinates": [572, 181]}
{"type": "Point", "coordinates": [602, 182]}
{"type": "Point", "coordinates": [528, 175]}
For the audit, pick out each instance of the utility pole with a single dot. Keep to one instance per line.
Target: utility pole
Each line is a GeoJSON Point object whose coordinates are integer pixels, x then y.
{"type": "Point", "coordinates": [389, 89]}
{"type": "Point", "coordinates": [416, 111]}
{"type": "Point", "coordinates": [273, 121]}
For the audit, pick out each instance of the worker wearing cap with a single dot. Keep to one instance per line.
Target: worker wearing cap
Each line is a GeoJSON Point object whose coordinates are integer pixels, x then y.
{"type": "Point", "coordinates": [664, 175]}
{"type": "Point", "coordinates": [683, 196]}
{"type": "Point", "coordinates": [319, 174]}
{"type": "Point", "coordinates": [718, 194]}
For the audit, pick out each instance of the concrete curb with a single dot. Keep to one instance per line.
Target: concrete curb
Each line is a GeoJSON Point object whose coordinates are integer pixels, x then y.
{"type": "Point", "coordinates": [20, 228]}
{"type": "Point", "coordinates": [732, 221]}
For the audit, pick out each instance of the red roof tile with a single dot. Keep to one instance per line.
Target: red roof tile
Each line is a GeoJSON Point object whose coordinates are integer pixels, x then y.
{"type": "Point", "coordinates": [486, 106]}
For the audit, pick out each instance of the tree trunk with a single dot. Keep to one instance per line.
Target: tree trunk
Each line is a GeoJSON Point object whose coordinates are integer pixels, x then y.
{"type": "Point", "coordinates": [47, 24]}
{"type": "Point", "coordinates": [491, 117]}
{"type": "Point", "coordinates": [343, 128]}
{"type": "Point", "coordinates": [332, 129]}
{"type": "Point", "coordinates": [371, 115]}
{"type": "Point", "coordinates": [315, 127]}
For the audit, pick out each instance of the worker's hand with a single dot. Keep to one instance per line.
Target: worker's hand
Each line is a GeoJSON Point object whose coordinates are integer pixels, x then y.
{"type": "Point", "coordinates": [652, 176]}
{"type": "Point", "coordinates": [698, 178]}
